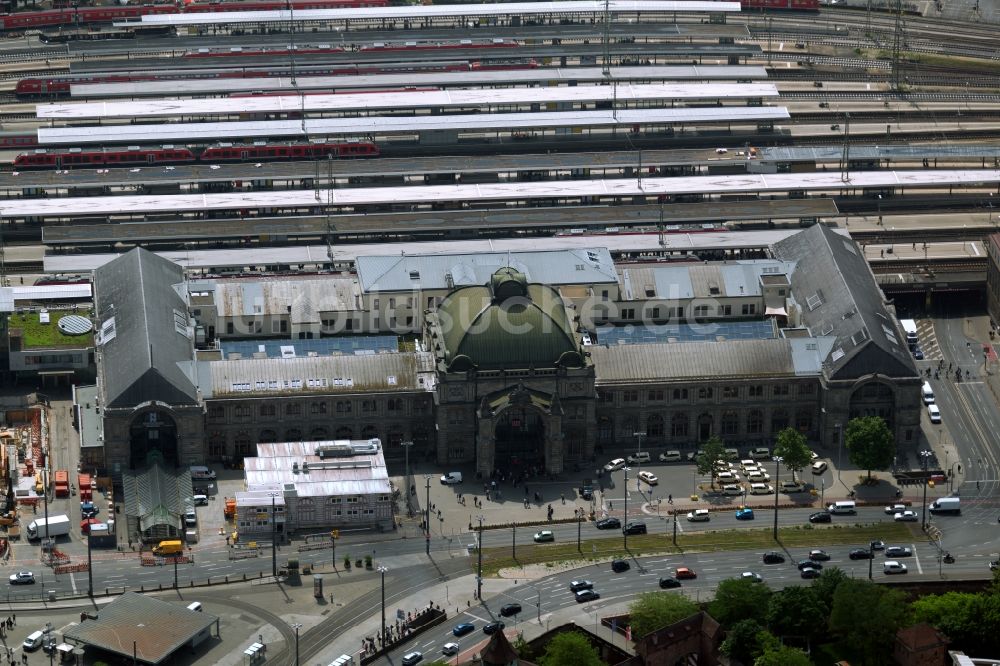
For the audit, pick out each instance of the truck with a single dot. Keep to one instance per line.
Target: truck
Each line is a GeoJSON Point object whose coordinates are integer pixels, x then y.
{"type": "Point", "coordinates": [86, 489]}
{"type": "Point", "coordinates": [910, 328]}
{"type": "Point", "coordinates": [62, 483]}
{"type": "Point", "coordinates": [947, 505]}
{"type": "Point", "coordinates": [57, 526]}
{"type": "Point", "coordinates": [167, 548]}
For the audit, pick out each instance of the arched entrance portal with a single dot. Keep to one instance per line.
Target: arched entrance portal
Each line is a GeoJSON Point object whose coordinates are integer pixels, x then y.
{"type": "Point", "coordinates": [519, 437]}
{"type": "Point", "coordinates": [153, 437]}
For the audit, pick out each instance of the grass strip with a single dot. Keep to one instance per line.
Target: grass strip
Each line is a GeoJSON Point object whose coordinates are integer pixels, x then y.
{"type": "Point", "coordinates": [808, 536]}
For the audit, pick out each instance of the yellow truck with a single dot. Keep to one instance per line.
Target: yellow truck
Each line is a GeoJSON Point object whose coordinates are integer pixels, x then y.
{"type": "Point", "coordinates": [165, 548]}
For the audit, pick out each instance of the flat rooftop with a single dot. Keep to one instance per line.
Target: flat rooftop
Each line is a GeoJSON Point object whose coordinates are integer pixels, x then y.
{"type": "Point", "coordinates": [708, 332]}
{"type": "Point", "coordinates": [357, 345]}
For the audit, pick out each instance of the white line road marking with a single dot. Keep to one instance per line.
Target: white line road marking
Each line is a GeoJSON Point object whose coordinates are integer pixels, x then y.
{"type": "Point", "coordinates": [916, 557]}
{"type": "Point", "coordinates": [476, 617]}
{"type": "Point", "coordinates": [72, 580]}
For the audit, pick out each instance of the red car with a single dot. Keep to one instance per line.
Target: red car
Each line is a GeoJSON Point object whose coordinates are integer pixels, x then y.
{"type": "Point", "coordinates": [683, 573]}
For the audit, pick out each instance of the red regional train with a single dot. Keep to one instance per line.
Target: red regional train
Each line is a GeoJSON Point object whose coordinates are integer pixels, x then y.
{"type": "Point", "coordinates": [133, 156]}
{"type": "Point", "coordinates": [88, 15]}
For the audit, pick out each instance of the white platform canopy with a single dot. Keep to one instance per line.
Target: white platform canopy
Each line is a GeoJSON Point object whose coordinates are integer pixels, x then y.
{"type": "Point", "coordinates": [369, 126]}
{"type": "Point", "coordinates": [422, 12]}
{"type": "Point", "coordinates": [424, 99]}
{"type": "Point", "coordinates": [566, 189]}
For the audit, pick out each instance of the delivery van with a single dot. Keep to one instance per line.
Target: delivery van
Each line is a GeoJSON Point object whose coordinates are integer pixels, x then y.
{"type": "Point", "coordinates": [928, 393]}
{"type": "Point", "coordinates": [201, 473]}
{"type": "Point", "coordinates": [168, 548]}
{"type": "Point", "coordinates": [843, 508]}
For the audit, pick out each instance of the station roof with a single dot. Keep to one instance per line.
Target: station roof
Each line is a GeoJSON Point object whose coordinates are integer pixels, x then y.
{"type": "Point", "coordinates": [348, 254]}
{"type": "Point", "coordinates": [526, 191]}
{"type": "Point", "coordinates": [827, 153]}
{"type": "Point", "coordinates": [423, 12]}
{"type": "Point", "coordinates": [471, 78]}
{"type": "Point", "coordinates": [382, 125]}
{"type": "Point", "coordinates": [624, 92]}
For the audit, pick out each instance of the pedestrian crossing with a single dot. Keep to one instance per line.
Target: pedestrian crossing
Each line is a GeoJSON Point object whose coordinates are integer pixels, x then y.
{"type": "Point", "coordinates": [928, 340]}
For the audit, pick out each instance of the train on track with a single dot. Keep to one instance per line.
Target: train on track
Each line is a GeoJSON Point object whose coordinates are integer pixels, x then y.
{"type": "Point", "coordinates": [166, 155]}
{"type": "Point", "coordinates": [100, 15]}
{"type": "Point", "coordinates": [57, 87]}
{"type": "Point", "coordinates": [322, 49]}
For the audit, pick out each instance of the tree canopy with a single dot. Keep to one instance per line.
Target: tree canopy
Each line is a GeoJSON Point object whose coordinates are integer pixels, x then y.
{"type": "Point", "coordinates": [711, 451]}
{"type": "Point", "coordinates": [870, 443]}
{"type": "Point", "coordinates": [570, 649]}
{"type": "Point", "coordinates": [738, 599]}
{"type": "Point", "coordinates": [791, 447]}
{"type": "Point", "coordinates": [825, 586]}
{"type": "Point", "coordinates": [655, 610]}
{"type": "Point", "coordinates": [745, 641]}
{"type": "Point", "coordinates": [783, 656]}
{"type": "Point", "coordinates": [797, 611]}
{"type": "Point", "coordinates": [867, 617]}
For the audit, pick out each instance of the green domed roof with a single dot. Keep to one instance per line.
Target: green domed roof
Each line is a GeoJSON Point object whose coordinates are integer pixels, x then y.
{"type": "Point", "coordinates": [505, 325]}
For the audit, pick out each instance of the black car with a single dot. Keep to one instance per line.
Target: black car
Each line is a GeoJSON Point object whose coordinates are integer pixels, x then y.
{"type": "Point", "coordinates": [493, 627]}
{"type": "Point", "coordinates": [586, 595]}
{"type": "Point", "coordinates": [619, 566]}
{"type": "Point", "coordinates": [861, 554]}
{"type": "Point", "coordinates": [634, 528]}
{"type": "Point", "coordinates": [608, 524]}
{"type": "Point", "coordinates": [577, 585]}
{"type": "Point", "coordinates": [819, 555]}
{"type": "Point", "coordinates": [809, 564]}
{"type": "Point", "coordinates": [774, 557]}
{"type": "Point", "coordinates": [810, 573]}
{"type": "Point", "coordinates": [668, 582]}
{"type": "Point", "coordinates": [507, 610]}
{"type": "Point", "coordinates": [820, 517]}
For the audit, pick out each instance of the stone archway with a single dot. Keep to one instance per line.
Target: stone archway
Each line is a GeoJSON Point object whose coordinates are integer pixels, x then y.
{"type": "Point", "coordinates": [705, 427]}
{"type": "Point", "coordinates": [153, 438]}
{"type": "Point", "coordinates": [519, 437]}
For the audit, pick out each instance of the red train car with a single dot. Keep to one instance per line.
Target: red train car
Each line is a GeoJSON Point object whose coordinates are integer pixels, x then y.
{"type": "Point", "coordinates": [434, 46]}
{"type": "Point", "coordinates": [61, 159]}
{"type": "Point", "coordinates": [288, 152]}
{"type": "Point", "coordinates": [781, 5]}
{"type": "Point", "coordinates": [256, 53]}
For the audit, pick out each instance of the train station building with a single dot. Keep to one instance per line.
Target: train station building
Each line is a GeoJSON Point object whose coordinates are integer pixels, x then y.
{"type": "Point", "coordinates": [502, 359]}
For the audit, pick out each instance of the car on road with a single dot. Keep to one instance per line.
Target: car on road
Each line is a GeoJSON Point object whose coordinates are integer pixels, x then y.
{"type": "Point", "coordinates": [790, 487]}
{"type": "Point", "coordinates": [818, 555]}
{"type": "Point", "coordinates": [861, 554]}
{"type": "Point", "coordinates": [819, 467]}
{"type": "Point", "coordinates": [721, 151]}
{"type": "Point", "coordinates": [648, 478]}
{"type": "Point", "coordinates": [88, 510]}
{"type": "Point", "coordinates": [638, 457]}
{"type": "Point", "coordinates": [810, 573]}
{"type": "Point", "coordinates": [586, 595]}
{"type": "Point", "coordinates": [493, 627]}
{"type": "Point", "coordinates": [577, 585]}
{"type": "Point", "coordinates": [699, 516]}
{"type": "Point", "coordinates": [918, 354]}
{"type": "Point", "coordinates": [693, 455]}
{"type": "Point", "coordinates": [809, 564]}
{"type": "Point", "coordinates": [684, 573]}
{"type": "Point", "coordinates": [994, 565]}
{"type": "Point", "coordinates": [893, 509]}
{"type": "Point", "coordinates": [544, 536]}
{"type": "Point", "coordinates": [893, 567]}
{"type": "Point", "coordinates": [22, 578]}
{"type": "Point", "coordinates": [463, 629]}
{"type": "Point", "coordinates": [450, 649]}
{"type": "Point", "coordinates": [614, 465]}
{"type": "Point", "coordinates": [898, 551]}
{"type": "Point", "coordinates": [451, 478]}
{"type": "Point", "coordinates": [508, 610]}
{"type": "Point", "coordinates": [906, 517]}
{"type": "Point", "coordinates": [744, 513]}
{"type": "Point", "coordinates": [669, 582]}
{"type": "Point", "coordinates": [773, 557]}
{"type": "Point", "coordinates": [634, 527]}
{"type": "Point", "coordinates": [752, 577]}
{"type": "Point", "coordinates": [608, 523]}
{"type": "Point", "coordinates": [412, 658]}
{"type": "Point", "coordinates": [669, 456]}
{"type": "Point", "coordinates": [878, 545]}
{"type": "Point", "coordinates": [618, 566]}
{"type": "Point", "coordinates": [934, 412]}
{"type": "Point", "coordinates": [820, 517]}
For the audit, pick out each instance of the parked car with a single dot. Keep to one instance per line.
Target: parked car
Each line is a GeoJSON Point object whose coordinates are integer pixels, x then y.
{"type": "Point", "coordinates": [634, 527]}
{"type": "Point", "coordinates": [893, 567]}
{"type": "Point", "coordinates": [463, 629]}
{"type": "Point", "coordinates": [819, 467]}
{"type": "Point", "coordinates": [451, 478]}
{"type": "Point", "coordinates": [577, 585]}
{"type": "Point", "coordinates": [761, 489]}
{"type": "Point", "coordinates": [608, 523]}
{"type": "Point", "coordinates": [544, 536]}
{"type": "Point", "coordinates": [820, 517]}
{"type": "Point", "coordinates": [760, 453]}
{"type": "Point", "coordinates": [861, 554]}
{"type": "Point", "coordinates": [684, 573]}
{"type": "Point", "coordinates": [648, 478]}
{"type": "Point", "coordinates": [693, 455]}
{"type": "Point", "coordinates": [758, 476]}
{"type": "Point", "coordinates": [669, 456]}
{"type": "Point", "coordinates": [732, 490]}
{"type": "Point", "coordinates": [744, 513]}
{"type": "Point", "coordinates": [614, 465]}
{"type": "Point", "coordinates": [773, 557]}
{"type": "Point", "coordinates": [818, 555]}
{"type": "Point", "coordinates": [22, 578]}
{"type": "Point", "coordinates": [586, 595]}
{"type": "Point", "coordinates": [898, 551]}
{"type": "Point", "coordinates": [934, 412]}
{"type": "Point", "coordinates": [88, 510]}
{"type": "Point", "coordinates": [669, 582]}
{"type": "Point", "coordinates": [728, 477]}
{"type": "Point", "coordinates": [792, 487]}
{"type": "Point", "coordinates": [618, 566]}
{"type": "Point", "coordinates": [638, 457]}
{"type": "Point", "coordinates": [906, 517]}
{"type": "Point", "coordinates": [509, 610]}
{"type": "Point", "coordinates": [878, 545]}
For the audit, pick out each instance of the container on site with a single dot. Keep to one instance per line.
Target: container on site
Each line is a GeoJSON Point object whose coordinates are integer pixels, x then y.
{"type": "Point", "coordinates": [62, 483]}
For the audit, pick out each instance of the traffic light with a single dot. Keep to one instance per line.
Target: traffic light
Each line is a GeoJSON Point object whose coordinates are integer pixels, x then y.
{"type": "Point", "coordinates": [334, 534]}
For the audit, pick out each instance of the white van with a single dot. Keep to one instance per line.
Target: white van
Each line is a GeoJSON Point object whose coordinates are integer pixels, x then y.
{"type": "Point", "coordinates": [194, 606]}
{"type": "Point", "coordinates": [33, 641]}
{"type": "Point", "coordinates": [670, 456]}
{"type": "Point", "coordinates": [639, 457]}
{"type": "Point", "coordinates": [843, 508]}
{"type": "Point", "coordinates": [761, 489]}
{"type": "Point", "coordinates": [928, 393]}
{"type": "Point", "coordinates": [699, 516]}
{"type": "Point", "coordinates": [934, 413]}
{"type": "Point", "coordinates": [202, 472]}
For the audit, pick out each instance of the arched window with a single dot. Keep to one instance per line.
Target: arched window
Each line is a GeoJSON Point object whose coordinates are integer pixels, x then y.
{"type": "Point", "coordinates": [293, 435]}
{"type": "Point", "coordinates": [268, 436]}
{"type": "Point", "coordinates": [755, 422]}
{"type": "Point", "coordinates": [730, 423]}
{"type": "Point", "coordinates": [654, 425]}
{"type": "Point", "coordinates": [779, 420]}
{"type": "Point", "coordinates": [369, 432]}
{"type": "Point", "coordinates": [318, 434]}
{"type": "Point", "coordinates": [680, 425]}
{"type": "Point", "coordinates": [344, 432]}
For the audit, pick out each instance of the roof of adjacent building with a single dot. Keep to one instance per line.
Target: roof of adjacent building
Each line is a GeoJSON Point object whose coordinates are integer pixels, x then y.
{"type": "Point", "coordinates": [700, 360]}
{"type": "Point", "coordinates": [157, 495]}
{"type": "Point", "coordinates": [921, 636]}
{"type": "Point", "coordinates": [368, 373]}
{"type": "Point", "coordinates": [836, 293]}
{"type": "Point", "coordinates": [297, 470]}
{"type": "Point", "coordinates": [273, 296]}
{"type": "Point", "coordinates": [714, 280]}
{"type": "Point", "coordinates": [509, 323]}
{"type": "Point", "coordinates": [143, 329]}
{"type": "Point", "coordinates": [447, 271]}
{"type": "Point", "coordinates": [146, 627]}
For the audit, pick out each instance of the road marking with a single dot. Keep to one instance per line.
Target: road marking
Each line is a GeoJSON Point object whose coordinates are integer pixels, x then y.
{"type": "Point", "coordinates": [916, 557]}
{"type": "Point", "coordinates": [476, 617]}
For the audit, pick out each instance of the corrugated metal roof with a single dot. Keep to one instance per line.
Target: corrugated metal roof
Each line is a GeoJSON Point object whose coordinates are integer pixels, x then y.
{"type": "Point", "coordinates": [316, 375]}
{"type": "Point", "coordinates": [275, 465]}
{"type": "Point", "coordinates": [445, 271]}
{"type": "Point", "coordinates": [134, 624]}
{"type": "Point", "coordinates": [52, 292]}
{"type": "Point", "coordinates": [731, 279]}
{"type": "Point", "coordinates": [263, 297]}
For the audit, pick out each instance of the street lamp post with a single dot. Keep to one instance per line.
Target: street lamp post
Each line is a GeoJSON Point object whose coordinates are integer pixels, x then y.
{"type": "Point", "coordinates": [382, 569]}
{"type": "Point", "coordinates": [513, 542]}
{"type": "Point", "coordinates": [274, 537]}
{"type": "Point", "coordinates": [579, 522]}
{"type": "Point", "coordinates": [871, 557]}
{"type": "Point", "coordinates": [427, 516]}
{"type": "Point", "coordinates": [406, 477]}
{"type": "Point", "coordinates": [822, 492]}
{"type": "Point", "coordinates": [625, 517]}
{"type": "Point", "coordinates": [840, 450]}
{"type": "Point", "coordinates": [924, 459]}
{"type": "Point", "coordinates": [777, 481]}
{"type": "Point", "coordinates": [638, 463]}
{"type": "Point", "coordinates": [479, 566]}
{"type": "Point", "coordinates": [298, 626]}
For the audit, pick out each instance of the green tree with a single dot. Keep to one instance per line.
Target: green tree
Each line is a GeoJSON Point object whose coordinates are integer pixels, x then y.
{"type": "Point", "coordinates": [738, 599]}
{"type": "Point", "coordinates": [655, 610]}
{"type": "Point", "coordinates": [797, 611]}
{"type": "Point", "coordinates": [783, 656]}
{"type": "Point", "coordinates": [957, 614]}
{"type": "Point", "coordinates": [570, 649]}
{"type": "Point", "coordinates": [870, 443]}
{"type": "Point", "coordinates": [711, 451]}
{"type": "Point", "coordinates": [791, 447]}
{"type": "Point", "coordinates": [825, 586]}
{"type": "Point", "coordinates": [867, 617]}
{"type": "Point", "coordinates": [745, 641]}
